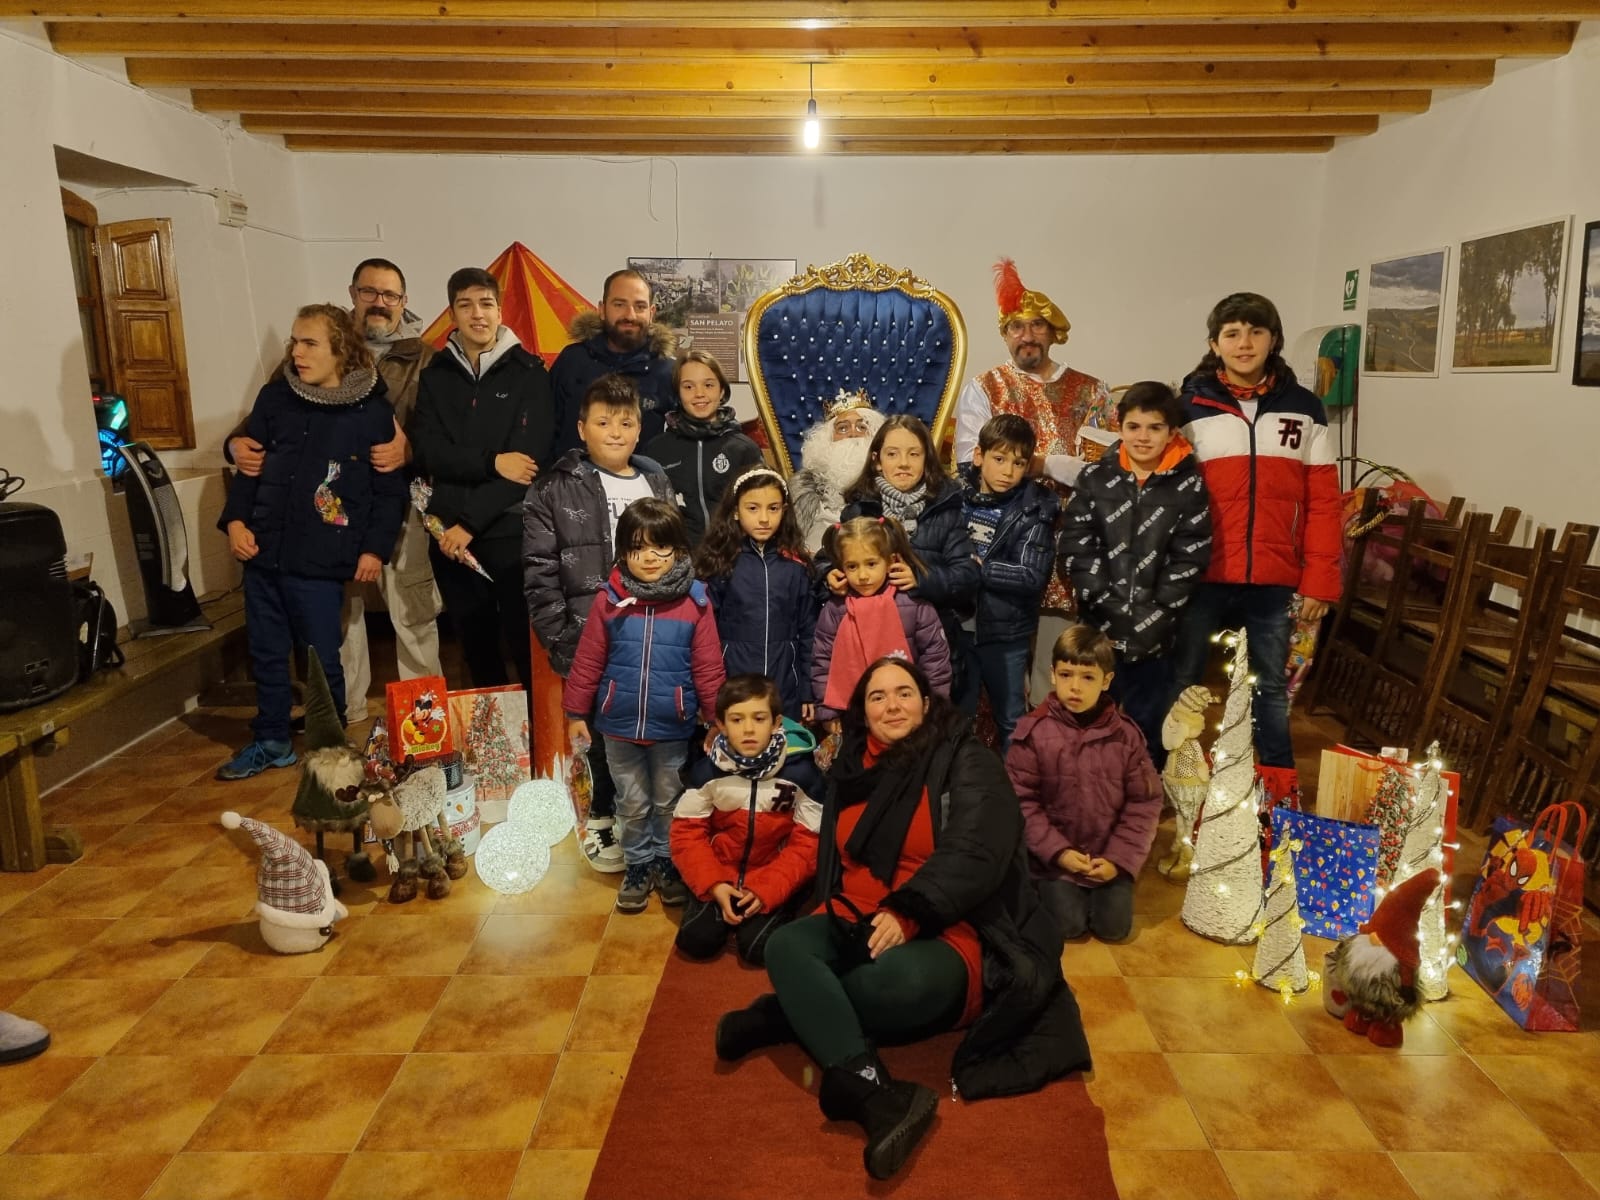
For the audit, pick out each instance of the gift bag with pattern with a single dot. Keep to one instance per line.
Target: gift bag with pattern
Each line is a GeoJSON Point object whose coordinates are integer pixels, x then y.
{"type": "Point", "coordinates": [1524, 925]}
{"type": "Point", "coordinates": [418, 723]}
{"type": "Point", "coordinates": [1335, 872]}
{"type": "Point", "coordinates": [491, 727]}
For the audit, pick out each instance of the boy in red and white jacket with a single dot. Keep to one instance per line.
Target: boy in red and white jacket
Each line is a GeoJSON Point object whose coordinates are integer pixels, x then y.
{"type": "Point", "coordinates": [744, 837]}
{"type": "Point", "coordinates": [1262, 443]}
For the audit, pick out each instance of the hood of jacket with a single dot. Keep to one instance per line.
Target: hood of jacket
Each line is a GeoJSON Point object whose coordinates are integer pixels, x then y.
{"type": "Point", "coordinates": [504, 342]}
{"type": "Point", "coordinates": [590, 327]}
{"type": "Point", "coordinates": [1177, 450]}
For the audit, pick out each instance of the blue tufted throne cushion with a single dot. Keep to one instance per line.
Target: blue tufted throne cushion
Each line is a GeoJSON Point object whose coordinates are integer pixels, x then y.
{"type": "Point", "coordinates": [852, 325]}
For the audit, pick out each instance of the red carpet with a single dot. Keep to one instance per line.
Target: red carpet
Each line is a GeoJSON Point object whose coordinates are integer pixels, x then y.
{"type": "Point", "coordinates": [692, 1128]}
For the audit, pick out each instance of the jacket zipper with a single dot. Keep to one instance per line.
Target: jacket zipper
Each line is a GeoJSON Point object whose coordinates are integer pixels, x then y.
{"type": "Point", "coordinates": [644, 668]}
{"type": "Point", "coordinates": [1250, 513]}
{"type": "Point", "coordinates": [766, 605]}
{"type": "Point", "coordinates": [749, 836]}
{"type": "Point", "coordinates": [700, 483]}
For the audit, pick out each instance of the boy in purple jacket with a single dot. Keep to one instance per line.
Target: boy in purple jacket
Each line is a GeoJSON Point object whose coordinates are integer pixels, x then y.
{"type": "Point", "coordinates": [1090, 797]}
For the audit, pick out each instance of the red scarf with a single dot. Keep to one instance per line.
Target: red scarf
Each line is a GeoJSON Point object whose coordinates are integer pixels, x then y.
{"type": "Point", "coordinates": [871, 628]}
{"type": "Point", "coordinates": [1247, 391]}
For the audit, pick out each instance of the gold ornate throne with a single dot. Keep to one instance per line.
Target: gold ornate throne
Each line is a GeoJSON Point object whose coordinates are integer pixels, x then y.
{"type": "Point", "coordinates": [852, 324]}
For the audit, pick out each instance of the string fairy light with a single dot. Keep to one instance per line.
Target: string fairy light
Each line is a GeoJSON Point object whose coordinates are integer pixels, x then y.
{"type": "Point", "coordinates": [1423, 847]}
{"type": "Point", "coordinates": [1223, 899]}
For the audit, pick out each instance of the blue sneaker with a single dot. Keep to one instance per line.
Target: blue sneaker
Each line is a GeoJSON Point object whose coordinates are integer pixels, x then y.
{"type": "Point", "coordinates": [256, 758]}
{"type": "Point", "coordinates": [636, 887]}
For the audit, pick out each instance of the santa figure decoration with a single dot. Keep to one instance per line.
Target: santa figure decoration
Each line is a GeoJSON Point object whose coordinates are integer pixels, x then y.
{"type": "Point", "coordinates": [1186, 777]}
{"type": "Point", "coordinates": [1371, 979]}
{"type": "Point", "coordinates": [295, 901]}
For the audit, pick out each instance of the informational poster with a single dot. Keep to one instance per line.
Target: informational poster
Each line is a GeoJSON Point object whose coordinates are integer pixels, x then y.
{"type": "Point", "coordinates": [704, 300]}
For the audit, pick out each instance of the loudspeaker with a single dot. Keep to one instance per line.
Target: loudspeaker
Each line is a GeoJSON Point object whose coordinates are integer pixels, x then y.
{"type": "Point", "coordinates": [38, 618]}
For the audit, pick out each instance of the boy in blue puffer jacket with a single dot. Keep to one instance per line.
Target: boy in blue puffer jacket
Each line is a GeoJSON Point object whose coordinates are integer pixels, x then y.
{"type": "Point", "coordinates": [648, 661]}
{"type": "Point", "coordinates": [1012, 520]}
{"type": "Point", "coordinates": [318, 515]}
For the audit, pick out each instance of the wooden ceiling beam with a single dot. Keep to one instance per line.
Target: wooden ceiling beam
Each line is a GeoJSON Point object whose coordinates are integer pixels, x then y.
{"type": "Point", "coordinates": [797, 14]}
{"type": "Point", "coordinates": [691, 147]}
{"type": "Point", "coordinates": [911, 129]}
{"type": "Point", "coordinates": [1151, 43]}
{"type": "Point", "coordinates": [735, 77]}
{"type": "Point", "coordinates": [645, 108]}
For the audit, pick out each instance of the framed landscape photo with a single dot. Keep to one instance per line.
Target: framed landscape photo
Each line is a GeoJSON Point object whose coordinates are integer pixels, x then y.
{"type": "Point", "coordinates": [1586, 359]}
{"type": "Point", "coordinates": [1508, 298]}
{"type": "Point", "coordinates": [1405, 301]}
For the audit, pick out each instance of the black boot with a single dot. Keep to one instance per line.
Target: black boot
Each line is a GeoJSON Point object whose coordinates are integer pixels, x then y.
{"type": "Point", "coordinates": [747, 1030]}
{"type": "Point", "coordinates": [895, 1113]}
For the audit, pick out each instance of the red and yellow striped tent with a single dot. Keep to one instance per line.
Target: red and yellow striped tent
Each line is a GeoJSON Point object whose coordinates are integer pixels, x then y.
{"type": "Point", "coordinates": [535, 302]}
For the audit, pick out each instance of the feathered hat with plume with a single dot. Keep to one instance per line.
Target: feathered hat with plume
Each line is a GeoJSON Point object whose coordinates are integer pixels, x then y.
{"type": "Point", "coordinates": [1017, 303]}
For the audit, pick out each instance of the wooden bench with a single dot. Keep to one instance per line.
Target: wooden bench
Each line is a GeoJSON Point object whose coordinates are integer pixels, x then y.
{"type": "Point", "coordinates": [26, 843]}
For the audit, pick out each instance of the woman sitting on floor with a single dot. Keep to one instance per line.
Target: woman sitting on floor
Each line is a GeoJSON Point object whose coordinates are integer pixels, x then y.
{"type": "Point", "coordinates": [923, 893]}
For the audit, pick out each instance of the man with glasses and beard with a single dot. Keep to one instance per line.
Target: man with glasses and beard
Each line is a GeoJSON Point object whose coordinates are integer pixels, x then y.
{"type": "Point", "coordinates": [392, 332]}
{"type": "Point", "coordinates": [1056, 400]}
{"type": "Point", "coordinates": [621, 339]}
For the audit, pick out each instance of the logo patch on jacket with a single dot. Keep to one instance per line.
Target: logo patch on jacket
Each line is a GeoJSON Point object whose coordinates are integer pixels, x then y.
{"type": "Point", "coordinates": [329, 507]}
{"type": "Point", "coordinates": [720, 464]}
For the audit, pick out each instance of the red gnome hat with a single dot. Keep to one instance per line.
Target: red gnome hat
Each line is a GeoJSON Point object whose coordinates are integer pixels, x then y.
{"type": "Point", "coordinates": [1396, 921]}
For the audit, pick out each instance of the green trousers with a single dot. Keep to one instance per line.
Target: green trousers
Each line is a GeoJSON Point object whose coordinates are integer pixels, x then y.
{"type": "Point", "coordinates": [840, 1009]}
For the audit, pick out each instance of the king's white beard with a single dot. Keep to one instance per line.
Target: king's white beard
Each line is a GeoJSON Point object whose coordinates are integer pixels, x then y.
{"type": "Point", "coordinates": [839, 464]}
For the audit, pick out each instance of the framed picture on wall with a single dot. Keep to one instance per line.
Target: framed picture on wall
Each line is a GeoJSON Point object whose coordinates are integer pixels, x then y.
{"type": "Point", "coordinates": [1508, 298]}
{"type": "Point", "coordinates": [1586, 359]}
{"type": "Point", "coordinates": [1405, 304]}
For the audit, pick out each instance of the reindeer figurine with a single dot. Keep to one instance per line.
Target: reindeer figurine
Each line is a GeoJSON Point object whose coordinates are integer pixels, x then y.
{"type": "Point", "coordinates": [1186, 776]}
{"type": "Point", "coordinates": [409, 820]}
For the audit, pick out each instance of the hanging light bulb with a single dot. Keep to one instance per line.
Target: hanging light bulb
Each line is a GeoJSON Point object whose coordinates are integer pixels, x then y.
{"type": "Point", "coordinates": [811, 131]}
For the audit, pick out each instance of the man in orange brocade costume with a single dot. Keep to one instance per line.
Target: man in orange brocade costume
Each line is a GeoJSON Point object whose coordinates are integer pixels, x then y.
{"type": "Point", "coordinates": [1056, 400]}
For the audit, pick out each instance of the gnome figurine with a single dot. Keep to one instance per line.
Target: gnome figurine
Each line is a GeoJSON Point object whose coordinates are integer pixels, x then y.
{"type": "Point", "coordinates": [1186, 776]}
{"type": "Point", "coordinates": [294, 896]}
{"type": "Point", "coordinates": [331, 798]}
{"type": "Point", "coordinates": [1370, 979]}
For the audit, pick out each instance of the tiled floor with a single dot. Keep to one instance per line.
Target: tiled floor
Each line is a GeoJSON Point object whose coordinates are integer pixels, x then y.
{"type": "Point", "coordinates": [474, 1047]}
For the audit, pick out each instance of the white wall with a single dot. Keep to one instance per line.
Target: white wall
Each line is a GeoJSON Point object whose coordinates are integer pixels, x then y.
{"type": "Point", "coordinates": [1518, 152]}
{"type": "Point", "coordinates": [238, 288]}
{"type": "Point", "coordinates": [1135, 250]}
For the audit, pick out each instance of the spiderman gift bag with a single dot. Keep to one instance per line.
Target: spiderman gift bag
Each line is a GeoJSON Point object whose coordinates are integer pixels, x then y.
{"type": "Point", "coordinates": [1520, 939]}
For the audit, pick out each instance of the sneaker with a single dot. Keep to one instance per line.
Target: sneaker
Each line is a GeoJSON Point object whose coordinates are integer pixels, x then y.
{"type": "Point", "coordinates": [673, 890]}
{"type": "Point", "coordinates": [600, 846]}
{"type": "Point", "coordinates": [256, 758]}
{"type": "Point", "coordinates": [637, 884]}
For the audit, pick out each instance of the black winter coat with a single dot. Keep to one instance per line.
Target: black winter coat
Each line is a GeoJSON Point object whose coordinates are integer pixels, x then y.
{"type": "Point", "coordinates": [1014, 573]}
{"type": "Point", "coordinates": [767, 615]}
{"type": "Point", "coordinates": [1135, 553]}
{"type": "Point", "coordinates": [306, 523]}
{"type": "Point", "coordinates": [1029, 1031]}
{"type": "Point", "coordinates": [943, 542]}
{"type": "Point", "coordinates": [701, 465]}
{"type": "Point", "coordinates": [567, 554]}
{"type": "Point", "coordinates": [461, 423]}
{"type": "Point", "coordinates": [589, 357]}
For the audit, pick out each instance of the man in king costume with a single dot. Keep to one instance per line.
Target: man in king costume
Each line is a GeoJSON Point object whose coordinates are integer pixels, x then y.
{"type": "Point", "coordinates": [1056, 400]}
{"type": "Point", "coordinates": [833, 454]}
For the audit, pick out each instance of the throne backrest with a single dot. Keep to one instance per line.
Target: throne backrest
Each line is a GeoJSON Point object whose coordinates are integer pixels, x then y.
{"type": "Point", "coordinates": [852, 325]}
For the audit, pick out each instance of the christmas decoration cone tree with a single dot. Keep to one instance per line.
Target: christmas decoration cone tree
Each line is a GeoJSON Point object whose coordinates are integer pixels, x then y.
{"type": "Point", "coordinates": [1280, 951]}
{"type": "Point", "coordinates": [1223, 900]}
{"type": "Point", "coordinates": [1423, 848]}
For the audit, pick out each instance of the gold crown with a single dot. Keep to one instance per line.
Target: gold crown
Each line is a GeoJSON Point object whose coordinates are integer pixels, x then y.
{"type": "Point", "coordinates": [845, 401]}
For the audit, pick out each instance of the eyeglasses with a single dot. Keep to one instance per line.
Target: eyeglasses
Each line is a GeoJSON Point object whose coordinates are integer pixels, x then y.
{"type": "Point", "coordinates": [368, 295]}
{"type": "Point", "coordinates": [657, 551]}
{"type": "Point", "coordinates": [1037, 325]}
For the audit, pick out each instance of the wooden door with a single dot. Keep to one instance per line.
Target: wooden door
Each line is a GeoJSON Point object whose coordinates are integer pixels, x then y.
{"type": "Point", "coordinates": [144, 329]}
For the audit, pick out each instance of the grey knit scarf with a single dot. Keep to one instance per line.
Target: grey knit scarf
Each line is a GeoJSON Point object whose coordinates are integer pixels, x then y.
{"type": "Point", "coordinates": [904, 507]}
{"type": "Point", "coordinates": [672, 586]}
{"type": "Point", "coordinates": [351, 390]}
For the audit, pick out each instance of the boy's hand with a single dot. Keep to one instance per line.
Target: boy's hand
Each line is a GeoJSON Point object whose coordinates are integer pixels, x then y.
{"type": "Point", "coordinates": [902, 576]}
{"type": "Point", "coordinates": [247, 454]}
{"type": "Point", "coordinates": [836, 582]}
{"type": "Point", "coordinates": [454, 541]}
{"type": "Point", "coordinates": [1075, 861]}
{"type": "Point", "coordinates": [1312, 610]}
{"type": "Point", "coordinates": [726, 896]}
{"type": "Point", "coordinates": [887, 933]}
{"type": "Point", "coordinates": [391, 455]}
{"type": "Point", "coordinates": [808, 713]}
{"type": "Point", "coordinates": [368, 568]}
{"type": "Point", "coordinates": [749, 903]}
{"type": "Point", "coordinates": [1102, 869]}
{"type": "Point", "coordinates": [516, 467]}
{"type": "Point", "coordinates": [578, 735]}
{"type": "Point", "coordinates": [241, 542]}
